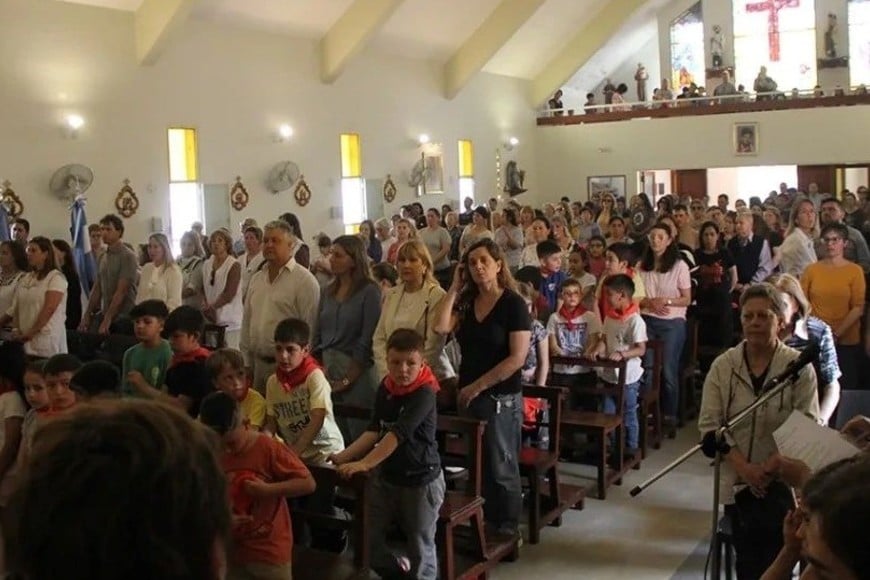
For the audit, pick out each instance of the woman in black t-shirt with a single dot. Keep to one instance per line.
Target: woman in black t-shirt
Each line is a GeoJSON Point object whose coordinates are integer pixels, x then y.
{"type": "Point", "coordinates": [493, 327]}
{"type": "Point", "coordinates": [716, 276]}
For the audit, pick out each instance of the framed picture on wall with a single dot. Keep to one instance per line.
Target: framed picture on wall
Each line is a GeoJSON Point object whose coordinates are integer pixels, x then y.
{"type": "Point", "coordinates": [600, 184]}
{"type": "Point", "coordinates": [745, 139]}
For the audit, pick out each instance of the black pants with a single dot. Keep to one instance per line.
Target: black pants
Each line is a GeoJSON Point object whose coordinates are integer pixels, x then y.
{"type": "Point", "coordinates": [757, 530]}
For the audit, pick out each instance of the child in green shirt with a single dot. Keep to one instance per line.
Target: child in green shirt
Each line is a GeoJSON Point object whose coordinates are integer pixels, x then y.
{"type": "Point", "coordinates": [146, 363]}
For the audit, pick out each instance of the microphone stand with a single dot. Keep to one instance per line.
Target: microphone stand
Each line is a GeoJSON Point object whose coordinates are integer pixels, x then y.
{"type": "Point", "coordinates": [715, 446]}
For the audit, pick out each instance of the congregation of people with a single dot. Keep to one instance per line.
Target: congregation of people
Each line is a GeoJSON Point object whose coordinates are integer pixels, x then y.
{"type": "Point", "coordinates": [430, 311]}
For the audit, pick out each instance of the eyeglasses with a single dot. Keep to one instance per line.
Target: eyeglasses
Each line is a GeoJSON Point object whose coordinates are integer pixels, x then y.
{"type": "Point", "coordinates": [697, 207]}
{"type": "Point", "coordinates": [596, 245]}
{"type": "Point", "coordinates": [832, 239]}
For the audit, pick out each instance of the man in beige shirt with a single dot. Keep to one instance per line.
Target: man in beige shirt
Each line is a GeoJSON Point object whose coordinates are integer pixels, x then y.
{"type": "Point", "coordinates": [280, 289]}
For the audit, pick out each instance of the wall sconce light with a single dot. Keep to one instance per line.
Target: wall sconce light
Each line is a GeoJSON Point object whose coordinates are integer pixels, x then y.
{"type": "Point", "coordinates": [285, 132]}
{"type": "Point", "coordinates": [423, 139]}
{"type": "Point", "coordinates": [73, 124]}
{"type": "Point", "coordinates": [511, 143]}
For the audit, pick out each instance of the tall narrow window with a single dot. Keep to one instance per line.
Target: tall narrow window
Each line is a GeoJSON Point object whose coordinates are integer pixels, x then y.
{"type": "Point", "coordinates": [466, 170]}
{"type": "Point", "coordinates": [780, 36]}
{"type": "Point", "coordinates": [859, 42]}
{"type": "Point", "coordinates": [185, 192]}
{"type": "Point", "coordinates": [687, 49]}
{"type": "Point", "coordinates": [353, 186]}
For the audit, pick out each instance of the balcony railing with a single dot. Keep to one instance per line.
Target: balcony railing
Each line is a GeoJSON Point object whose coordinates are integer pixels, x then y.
{"type": "Point", "coordinates": [708, 105]}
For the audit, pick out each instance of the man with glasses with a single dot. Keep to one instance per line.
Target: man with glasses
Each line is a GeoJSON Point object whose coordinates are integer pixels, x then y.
{"type": "Point", "coordinates": [699, 210]}
{"type": "Point", "coordinates": [856, 249]}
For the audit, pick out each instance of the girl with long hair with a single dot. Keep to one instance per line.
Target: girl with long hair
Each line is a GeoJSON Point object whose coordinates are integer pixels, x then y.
{"type": "Point", "coordinates": [64, 256]}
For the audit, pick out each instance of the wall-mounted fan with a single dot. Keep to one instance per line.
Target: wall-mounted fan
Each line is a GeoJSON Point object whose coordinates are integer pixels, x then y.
{"type": "Point", "coordinates": [70, 181]}
{"type": "Point", "coordinates": [282, 176]}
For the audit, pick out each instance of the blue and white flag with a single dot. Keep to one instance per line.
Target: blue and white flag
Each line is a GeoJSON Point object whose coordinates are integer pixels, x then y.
{"type": "Point", "coordinates": [81, 245]}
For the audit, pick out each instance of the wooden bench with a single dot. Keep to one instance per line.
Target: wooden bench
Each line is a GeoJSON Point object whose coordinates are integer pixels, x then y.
{"type": "Point", "coordinates": [538, 466]}
{"type": "Point", "coordinates": [688, 405]}
{"type": "Point", "coordinates": [317, 565]}
{"type": "Point", "coordinates": [649, 402]}
{"type": "Point", "coordinates": [214, 336]}
{"type": "Point", "coordinates": [599, 425]}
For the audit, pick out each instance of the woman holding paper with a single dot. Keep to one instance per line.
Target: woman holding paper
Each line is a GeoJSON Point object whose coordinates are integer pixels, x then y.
{"type": "Point", "coordinates": [755, 502]}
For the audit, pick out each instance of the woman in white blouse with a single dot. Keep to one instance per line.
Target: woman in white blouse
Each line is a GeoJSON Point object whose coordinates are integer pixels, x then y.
{"type": "Point", "coordinates": [38, 309]}
{"type": "Point", "coordinates": [222, 287]}
{"type": "Point", "coordinates": [412, 304]}
{"type": "Point", "coordinates": [252, 258]}
{"type": "Point", "coordinates": [161, 278]}
{"type": "Point", "coordinates": [509, 237]}
{"type": "Point", "coordinates": [797, 250]}
{"type": "Point", "coordinates": [13, 267]}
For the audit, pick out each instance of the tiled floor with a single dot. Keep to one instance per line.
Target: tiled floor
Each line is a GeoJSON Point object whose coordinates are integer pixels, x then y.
{"type": "Point", "coordinates": [649, 537]}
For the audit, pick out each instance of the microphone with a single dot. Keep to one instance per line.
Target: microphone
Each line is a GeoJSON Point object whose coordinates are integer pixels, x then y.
{"type": "Point", "coordinates": [810, 354]}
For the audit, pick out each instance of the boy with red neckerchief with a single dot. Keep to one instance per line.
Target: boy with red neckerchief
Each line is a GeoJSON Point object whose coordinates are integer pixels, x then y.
{"type": "Point", "coordinates": [617, 260]}
{"type": "Point", "coordinates": [226, 367]}
{"type": "Point", "coordinates": [408, 485]}
{"type": "Point", "coordinates": [623, 337]}
{"type": "Point", "coordinates": [572, 328]}
{"type": "Point", "coordinates": [299, 398]}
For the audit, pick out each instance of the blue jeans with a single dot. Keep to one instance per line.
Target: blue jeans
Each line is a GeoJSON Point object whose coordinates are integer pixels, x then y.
{"type": "Point", "coordinates": [672, 333]}
{"type": "Point", "coordinates": [502, 438]}
{"type": "Point", "coordinates": [629, 413]}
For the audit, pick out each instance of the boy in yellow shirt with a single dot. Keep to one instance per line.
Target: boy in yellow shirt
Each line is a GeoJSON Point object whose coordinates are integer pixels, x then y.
{"type": "Point", "coordinates": [227, 370]}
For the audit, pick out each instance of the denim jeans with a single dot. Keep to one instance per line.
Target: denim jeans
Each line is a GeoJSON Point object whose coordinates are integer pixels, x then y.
{"type": "Point", "coordinates": [629, 413]}
{"type": "Point", "coordinates": [416, 511]}
{"type": "Point", "coordinates": [502, 437]}
{"type": "Point", "coordinates": [672, 333]}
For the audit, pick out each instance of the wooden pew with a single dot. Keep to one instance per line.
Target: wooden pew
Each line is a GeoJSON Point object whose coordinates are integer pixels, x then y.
{"type": "Point", "coordinates": [464, 551]}
{"type": "Point", "coordinates": [598, 425]}
{"type": "Point", "coordinates": [547, 505]}
{"type": "Point", "coordinates": [317, 565]}
{"type": "Point", "coordinates": [649, 403]}
{"type": "Point", "coordinates": [688, 404]}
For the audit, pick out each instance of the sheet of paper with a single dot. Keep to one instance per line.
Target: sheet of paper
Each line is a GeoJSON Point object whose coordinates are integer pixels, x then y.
{"type": "Point", "coordinates": [802, 438]}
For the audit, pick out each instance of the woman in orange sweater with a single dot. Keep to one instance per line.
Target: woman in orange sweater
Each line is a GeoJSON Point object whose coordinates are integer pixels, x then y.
{"type": "Point", "coordinates": [835, 287]}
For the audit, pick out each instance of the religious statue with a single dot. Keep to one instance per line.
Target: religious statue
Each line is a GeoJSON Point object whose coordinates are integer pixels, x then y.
{"type": "Point", "coordinates": [830, 45]}
{"type": "Point", "coordinates": [717, 46]}
{"type": "Point", "coordinates": [609, 89]}
{"type": "Point", "coordinates": [514, 179]}
{"type": "Point", "coordinates": [641, 76]}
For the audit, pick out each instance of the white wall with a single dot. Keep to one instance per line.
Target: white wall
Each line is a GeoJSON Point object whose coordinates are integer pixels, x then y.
{"type": "Point", "coordinates": [648, 54]}
{"type": "Point", "coordinates": [568, 155]}
{"type": "Point", "coordinates": [235, 86]}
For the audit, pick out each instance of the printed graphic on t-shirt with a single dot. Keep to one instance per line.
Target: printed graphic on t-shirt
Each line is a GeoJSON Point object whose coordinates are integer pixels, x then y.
{"type": "Point", "coordinates": [572, 340]}
{"type": "Point", "coordinates": [294, 414]}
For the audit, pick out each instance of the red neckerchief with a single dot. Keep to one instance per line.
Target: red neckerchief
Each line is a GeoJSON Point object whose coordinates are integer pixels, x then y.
{"type": "Point", "coordinates": [425, 378]}
{"type": "Point", "coordinates": [603, 305]}
{"type": "Point", "coordinates": [293, 378]}
{"type": "Point", "coordinates": [622, 315]}
{"type": "Point", "coordinates": [570, 315]}
{"type": "Point", "coordinates": [199, 354]}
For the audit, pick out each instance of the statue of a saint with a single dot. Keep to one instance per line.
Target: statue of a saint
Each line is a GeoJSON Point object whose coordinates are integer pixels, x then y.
{"type": "Point", "coordinates": [717, 46]}
{"type": "Point", "coordinates": [830, 45]}
{"type": "Point", "coordinates": [641, 76]}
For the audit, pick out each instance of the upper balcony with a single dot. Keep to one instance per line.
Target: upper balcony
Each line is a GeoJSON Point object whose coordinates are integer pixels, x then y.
{"type": "Point", "coordinates": [708, 105]}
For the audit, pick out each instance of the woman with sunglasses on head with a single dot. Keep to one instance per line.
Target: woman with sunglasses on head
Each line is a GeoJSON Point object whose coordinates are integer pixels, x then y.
{"type": "Point", "coordinates": [222, 287]}
{"type": "Point", "coordinates": [836, 289]}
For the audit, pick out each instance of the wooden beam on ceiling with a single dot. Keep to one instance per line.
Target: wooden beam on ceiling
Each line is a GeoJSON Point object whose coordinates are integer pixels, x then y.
{"type": "Point", "coordinates": [350, 34]}
{"type": "Point", "coordinates": [156, 21]}
{"type": "Point", "coordinates": [498, 28]}
{"type": "Point", "coordinates": [580, 49]}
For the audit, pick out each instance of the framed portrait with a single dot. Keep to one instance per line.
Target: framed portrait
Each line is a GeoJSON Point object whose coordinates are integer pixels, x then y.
{"type": "Point", "coordinates": [434, 174]}
{"type": "Point", "coordinates": [598, 185]}
{"type": "Point", "coordinates": [745, 139]}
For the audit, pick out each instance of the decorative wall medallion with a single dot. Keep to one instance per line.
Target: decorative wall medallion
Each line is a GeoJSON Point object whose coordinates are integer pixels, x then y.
{"type": "Point", "coordinates": [302, 192]}
{"type": "Point", "coordinates": [239, 195]}
{"type": "Point", "coordinates": [389, 189]}
{"type": "Point", "coordinates": [126, 201]}
{"type": "Point", "coordinates": [10, 200]}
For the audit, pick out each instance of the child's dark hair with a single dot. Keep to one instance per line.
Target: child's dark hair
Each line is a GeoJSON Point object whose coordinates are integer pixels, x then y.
{"type": "Point", "coordinates": [406, 340]}
{"type": "Point", "coordinates": [223, 358]}
{"type": "Point", "coordinates": [186, 319]}
{"type": "Point", "coordinates": [220, 412]}
{"type": "Point", "coordinates": [13, 364]}
{"type": "Point", "coordinates": [96, 378]}
{"type": "Point", "coordinates": [153, 308]}
{"type": "Point", "coordinates": [620, 283]}
{"type": "Point", "coordinates": [547, 248]}
{"type": "Point", "coordinates": [293, 330]}
{"type": "Point", "coordinates": [323, 241]}
{"type": "Point", "coordinates": [385, 271]}
{"type": "Point", "coordinates": [529, 275]}
{"type": "Point", "coordinates": [623, 252]}
{"type": "Point", "coordinates": [36, 367]}
{"type": "Point", "coordinates": [62, 363]}
{"type": "Point", "coordinates": [597, 239]}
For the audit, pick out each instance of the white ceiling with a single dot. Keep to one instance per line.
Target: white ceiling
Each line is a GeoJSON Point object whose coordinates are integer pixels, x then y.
{"type": "Point", "coordinates": [426, 29]}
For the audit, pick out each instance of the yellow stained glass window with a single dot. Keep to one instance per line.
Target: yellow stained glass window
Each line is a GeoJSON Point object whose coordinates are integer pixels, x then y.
{"type": "Point", "coordinates": [351, 162]}
{"type": "Point", "coordinates": [466, 158]}
{"type": "Point", "coordinates": [182, 155]}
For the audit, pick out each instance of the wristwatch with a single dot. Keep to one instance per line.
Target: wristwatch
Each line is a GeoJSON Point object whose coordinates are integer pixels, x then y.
{"type": "Point", "coordinates": [669, 302]}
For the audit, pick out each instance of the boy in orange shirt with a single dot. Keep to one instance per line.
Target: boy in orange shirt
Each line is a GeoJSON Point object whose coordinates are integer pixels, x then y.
{"type": "Point", "coordinates": [261, 473]}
